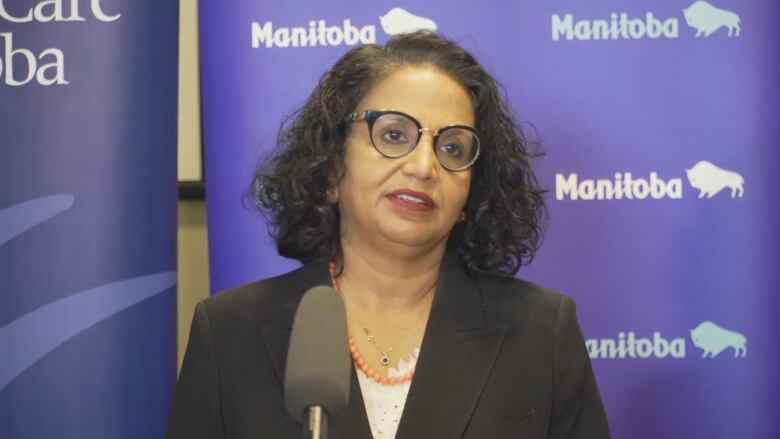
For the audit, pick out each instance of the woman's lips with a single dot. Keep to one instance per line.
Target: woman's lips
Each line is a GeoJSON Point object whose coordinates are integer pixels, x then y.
{"type": "Point", "coordinates": [412, 200]}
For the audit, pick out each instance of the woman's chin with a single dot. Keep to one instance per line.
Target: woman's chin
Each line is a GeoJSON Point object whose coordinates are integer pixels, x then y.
{"type": "Point", "coordinates": [420, 238]}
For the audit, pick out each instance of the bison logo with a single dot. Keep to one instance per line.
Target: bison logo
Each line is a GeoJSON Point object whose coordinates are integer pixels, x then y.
{"type": "Point", "coordinates": [713, 340]}
{"type": "Point", "coordinates": [400, 21]}
{"type": "Point", "coordinates": [710, 179]}
{"type": "Point", "coordinates": [706, 19]}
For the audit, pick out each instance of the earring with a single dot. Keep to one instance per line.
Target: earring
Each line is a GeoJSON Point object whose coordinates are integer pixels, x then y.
{"type": "Point", "coordinates": [331, 195]}
{"type": "Point", "coordinates": [462, 216]}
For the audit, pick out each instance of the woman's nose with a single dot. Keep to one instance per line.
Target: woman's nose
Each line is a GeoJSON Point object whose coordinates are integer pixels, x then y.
{"type": "Point", "coordinates": [422, 162]}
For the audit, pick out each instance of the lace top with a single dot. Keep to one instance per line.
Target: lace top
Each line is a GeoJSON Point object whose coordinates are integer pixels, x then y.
{"type": "Point", "coordinates": [385, 402]}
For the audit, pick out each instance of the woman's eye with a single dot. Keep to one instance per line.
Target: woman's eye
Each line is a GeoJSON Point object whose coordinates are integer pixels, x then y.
{"type": "Point", "coordinates": [452, 149]}
{"type": "Point", "coordinates": [394, 136]}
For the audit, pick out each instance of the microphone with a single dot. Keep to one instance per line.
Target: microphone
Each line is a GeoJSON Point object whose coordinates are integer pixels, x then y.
{"type": "Point", "coordinates": [317, 374]}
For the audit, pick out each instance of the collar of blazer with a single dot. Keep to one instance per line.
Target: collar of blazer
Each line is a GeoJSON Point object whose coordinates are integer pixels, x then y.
{"type": "Point", "coordinates": [457, 354]}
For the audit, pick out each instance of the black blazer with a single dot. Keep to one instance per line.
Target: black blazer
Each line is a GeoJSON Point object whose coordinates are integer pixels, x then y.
{"type": "Point", "coordinates": [498, 360]}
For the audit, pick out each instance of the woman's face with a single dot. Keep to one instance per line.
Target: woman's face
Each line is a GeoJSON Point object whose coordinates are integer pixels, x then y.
{"type": "Point", "coordinates": [411, 200]}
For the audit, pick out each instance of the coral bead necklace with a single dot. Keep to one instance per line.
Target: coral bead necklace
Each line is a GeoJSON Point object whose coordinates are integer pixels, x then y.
{"type": "Point", "coordinates": [385, 360]}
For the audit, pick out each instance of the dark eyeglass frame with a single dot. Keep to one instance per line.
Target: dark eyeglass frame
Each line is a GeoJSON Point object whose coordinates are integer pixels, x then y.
{"type": "Point", "coordinates": [370, 116]}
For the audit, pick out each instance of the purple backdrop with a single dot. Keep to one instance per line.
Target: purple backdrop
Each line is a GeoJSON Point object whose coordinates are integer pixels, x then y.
{"type": "Point", "coordinates": [659, 120]}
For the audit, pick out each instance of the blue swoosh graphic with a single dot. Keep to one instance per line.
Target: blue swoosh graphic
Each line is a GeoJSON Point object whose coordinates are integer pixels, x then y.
{"type": "Point", "coordinates": [29, 338]}
{"type": "Point", "coordinates": [16, 219]}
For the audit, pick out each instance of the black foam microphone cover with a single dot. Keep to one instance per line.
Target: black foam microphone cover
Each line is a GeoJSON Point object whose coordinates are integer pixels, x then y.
{"type": "Point", "coordinates": [318, 360]}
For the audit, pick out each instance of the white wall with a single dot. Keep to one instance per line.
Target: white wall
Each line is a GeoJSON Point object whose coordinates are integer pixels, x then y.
{"type": "Point", "coordinates": [192, 263]}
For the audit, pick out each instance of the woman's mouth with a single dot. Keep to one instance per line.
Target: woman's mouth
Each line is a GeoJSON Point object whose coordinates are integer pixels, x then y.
{"type": "Point", "coordinates": [412, 200]}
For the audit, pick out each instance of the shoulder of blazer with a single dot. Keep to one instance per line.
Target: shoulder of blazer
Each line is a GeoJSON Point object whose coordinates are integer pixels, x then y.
{"type": "Point", "coordinates": [514, 300]}
{"type": "Point", "coordinates": [272, 301]}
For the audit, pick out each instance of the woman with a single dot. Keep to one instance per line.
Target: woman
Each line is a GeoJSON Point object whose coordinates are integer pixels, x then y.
{"type": "Point", "coordinates": [405, 183]}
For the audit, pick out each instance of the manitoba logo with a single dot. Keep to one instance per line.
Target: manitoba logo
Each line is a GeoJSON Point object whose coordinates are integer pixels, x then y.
{"type": "Point", "coordinates": [708, 178]}
{"type": "Point", "coordinates": [321, 33]}
{"type": "Point", "coordinates": [623, 185]}
{"type": "Point", "coordinates": [711, 338]}
{"type": "Point", "coordinates": [618, 25]}
{"type": "Point", "coordinates": [714, 339]}
{"type": "Point", "coordinates": [317, 33]}
{"type": "Point", "coordinates": [400, 21]}
{"type": "Point", "coordinates": [701, 16]}
{"type": "Point", "coordinates": [629, 345]}
{"type": "Point", "coordinates": [706, 19]}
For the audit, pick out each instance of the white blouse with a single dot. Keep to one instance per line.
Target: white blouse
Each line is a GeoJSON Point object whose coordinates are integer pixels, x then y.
{"type": "Point", "coordinates": [385, 402]}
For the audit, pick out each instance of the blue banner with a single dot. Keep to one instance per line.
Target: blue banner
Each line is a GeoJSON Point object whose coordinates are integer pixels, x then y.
{"type": "Point", "coordinates": [659, 120]}
{"type": "Point", "coordinates": [87, 218]}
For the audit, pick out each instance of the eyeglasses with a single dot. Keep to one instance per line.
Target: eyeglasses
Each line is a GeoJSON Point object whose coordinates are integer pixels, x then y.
{"type": "Point", "coordinates": [395, 134]}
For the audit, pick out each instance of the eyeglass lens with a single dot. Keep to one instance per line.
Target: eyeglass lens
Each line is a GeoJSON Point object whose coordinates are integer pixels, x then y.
{"type": "Point", "coordinates": [394, 135]}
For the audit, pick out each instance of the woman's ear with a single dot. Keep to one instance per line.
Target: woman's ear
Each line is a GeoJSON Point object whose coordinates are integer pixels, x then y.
{"type": "Point", "coordinates": [333, 193]}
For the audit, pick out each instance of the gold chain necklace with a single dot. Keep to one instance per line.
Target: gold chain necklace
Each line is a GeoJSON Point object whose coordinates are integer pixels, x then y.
{"type": "Point", "coordinates": [384, 354]}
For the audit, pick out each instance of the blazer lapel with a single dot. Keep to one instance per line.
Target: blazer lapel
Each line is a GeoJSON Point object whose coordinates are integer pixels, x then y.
{"type": "Point", "coordinates": [277, 336]}
{"type": "Point", "coordinates": [354, 422]}
{"type": "Point", "coordinates": [457, 354]}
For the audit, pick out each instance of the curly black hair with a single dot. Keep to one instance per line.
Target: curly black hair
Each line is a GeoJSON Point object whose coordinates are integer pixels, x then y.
{"type": "Point", "coordinates": [505, 211]}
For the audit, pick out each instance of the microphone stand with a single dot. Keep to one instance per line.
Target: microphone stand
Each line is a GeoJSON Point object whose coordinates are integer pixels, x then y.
{"type": "Point", "coordinates": [317, 423]}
